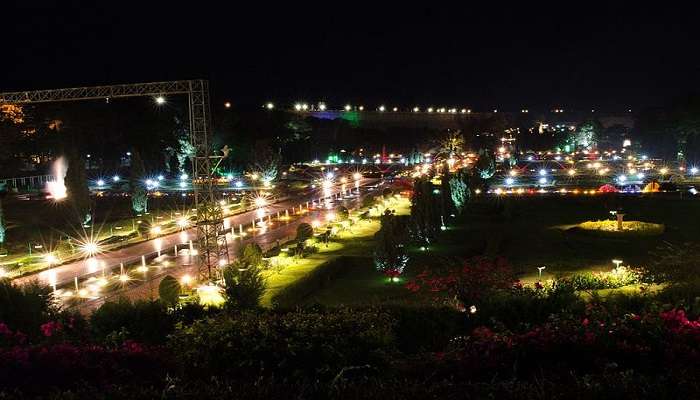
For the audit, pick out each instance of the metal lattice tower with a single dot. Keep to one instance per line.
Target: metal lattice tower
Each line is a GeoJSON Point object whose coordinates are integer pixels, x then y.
{"type": "Point", "coordinates": [211, 237]}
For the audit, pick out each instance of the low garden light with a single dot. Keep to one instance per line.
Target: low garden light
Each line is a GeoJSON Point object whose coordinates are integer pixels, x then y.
{"type": "Point", "coordinates": [539, 271]}
{"type": "Point", "coordinates": [617, 263]}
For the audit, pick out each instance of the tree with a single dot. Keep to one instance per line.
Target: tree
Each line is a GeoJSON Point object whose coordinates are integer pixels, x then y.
{"type": "Point", "coordinates": [245, 285]}
{"type": "Point", "coordinates": [446, 206]}
{"type": "Point", "coordinates": [251, 256]}
{"type": "Point", "coordinates": [3, 229]}
{"type": "Point", "coordinates": [485, 164]}
{"type": "Point", "coordinates": [342, 213]}
{"type": "Point", "coordinates": [265, 161]}
{"type": "Point", "coordinates": [452, 144]}
{"type": "Point", "coordinates": [77, 186]}
{"type": "Point", "coordinates": [304, 231]}
{"type": "Point", "coordinates": [424, 216]}
{"type": "Point", "coordinates": [586, 135]}
{"type": "Point", "coordinates": [169, 290]}
{"type": "Point", "coordinates": [459, 191]}
{"type": "Point", "coordinates": [139, 197]}
{"type": "Point", "coordinates": [389, 252]}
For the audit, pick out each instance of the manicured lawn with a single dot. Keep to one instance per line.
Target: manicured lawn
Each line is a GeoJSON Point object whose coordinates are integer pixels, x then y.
{"type": "Point", "coordinates": [530, 232]}
{"type": "Point", "coordinates": [360, 282]}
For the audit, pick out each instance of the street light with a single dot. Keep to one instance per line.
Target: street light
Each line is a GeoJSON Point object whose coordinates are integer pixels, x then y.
{"type": "Point", "coordinates": [160, 100]}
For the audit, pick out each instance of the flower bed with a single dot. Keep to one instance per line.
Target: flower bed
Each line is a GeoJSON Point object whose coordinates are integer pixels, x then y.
{"type": "Point", "coordinates": [609, 227]}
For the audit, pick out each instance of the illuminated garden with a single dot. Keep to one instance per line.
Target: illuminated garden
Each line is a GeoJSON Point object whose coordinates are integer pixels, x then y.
{"type": "Point", "coordinates": [278, 201]}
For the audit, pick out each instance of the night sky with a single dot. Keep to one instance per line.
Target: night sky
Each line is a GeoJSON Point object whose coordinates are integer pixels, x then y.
{"type": "Point", "coordinates": [538, 57]}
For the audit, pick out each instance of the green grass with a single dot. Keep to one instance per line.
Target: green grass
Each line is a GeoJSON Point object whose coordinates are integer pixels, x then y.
{"type": "Point", "coordinates": [360, 281]}
{"type": "Point", "coordinates": [526, 231]}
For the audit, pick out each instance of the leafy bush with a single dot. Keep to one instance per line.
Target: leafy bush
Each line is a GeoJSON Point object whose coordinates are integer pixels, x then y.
{"type": "Point", "coordinates": [304, 231]}
{"type": "Point", "coordinates": [25, 307]}
{"type": "Point", "coordinates": [677, 263]}
{"type": "Point", "coordinates": [169, 290]}
{"type": "Point", "coordinates": [143, 321]}
{"type": "Point", "coordinates": [296, 344]}
{"type": "Point", "coordinates": [522, 305]}
{"type": "Point", "coordinates": [251, 256]}
{"type": "Point", "coordinates": [618, 277]}
{"type": "Point", "coordinates": [245, 286]}
{"type": "Point", "coordinates": [342, 213]}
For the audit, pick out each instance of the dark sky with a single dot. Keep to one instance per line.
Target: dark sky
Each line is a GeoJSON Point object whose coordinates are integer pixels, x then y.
{"type": "Point", "coordinates": [566, 55]}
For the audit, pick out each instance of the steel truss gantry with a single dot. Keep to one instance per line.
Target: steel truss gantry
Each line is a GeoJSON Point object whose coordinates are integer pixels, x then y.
{"type": "Point", "coordinates": [211, 237]}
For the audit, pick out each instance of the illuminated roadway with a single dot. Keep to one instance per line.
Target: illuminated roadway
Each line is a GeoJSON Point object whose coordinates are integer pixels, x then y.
{"type": "Point", "coordinates": [65, 274]}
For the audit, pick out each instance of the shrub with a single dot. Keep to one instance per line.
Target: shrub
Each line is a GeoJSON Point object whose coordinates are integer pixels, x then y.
{"type": "Point", "coordinates": [143, 321]}
{"type": "Point", "coordinates": [169, 290]}
{"type": "Point", "coordinates": [251, 255]}
{"type": "Point", "coordinates": [618, 277]}
{"type": "Point", "coordinates": [245, 286]}
{"type": "Point", "coordinates": [26, 307]}
{"type": "Point", "coordinates": [342, 213]}
{"type": "Point", "coordinates": [304, 231]}
{"type": "Point", "coordinates": [521, 306]}
{"type": "Point", "coordinates": [367, 201]}
{"type": "Point", "coordinates": [299, 344]}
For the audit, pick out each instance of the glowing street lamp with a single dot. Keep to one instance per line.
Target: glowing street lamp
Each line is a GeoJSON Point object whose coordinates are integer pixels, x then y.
{"type": "Point", "coordinates": [90, 248]}
{"type": "Point", "coordinates": [260, 202]}
{"type": "Point", "coordinates": [160, 100]}
{"type": "Point", "coordinates": [269, 106]}
{"type": "Point", "coordinates": [183, 222]}
{"type": "Point", "coordinates": [115, 178]}
{"type": "Point", "coordinates": [348, 107]}
{"type": "Point", "coordinates": [51, 259]}
{"type": "Point", "coordinates": [100, 182]}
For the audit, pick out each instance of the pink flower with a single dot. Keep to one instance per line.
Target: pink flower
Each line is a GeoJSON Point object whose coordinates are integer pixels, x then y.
{"type": "Point", "coordinates": [51, 327]}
